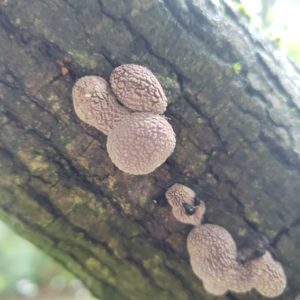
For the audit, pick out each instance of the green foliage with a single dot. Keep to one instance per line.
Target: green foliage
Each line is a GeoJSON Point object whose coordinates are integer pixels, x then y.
{"type": "Point", "coordinates": [277, 19]}
{"type": "Point", "coordinates": [18, 260]}
{"type": "Point", "coordinates": [294, 52]}
{"type": "Point", "coordinates": [278, 41]}
{"type": "Point", "coordinates": [244, 11]}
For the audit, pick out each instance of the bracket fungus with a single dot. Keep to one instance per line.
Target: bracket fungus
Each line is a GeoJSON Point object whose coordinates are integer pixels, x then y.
{"type": "Point", "coordinates": [186, 207]}
{"type": "Point", "coordinates": [139, 138]}
{"type": "Point", "coordinates": [138, 89]}
{"type": "Point", "coordinates": [214, 256]}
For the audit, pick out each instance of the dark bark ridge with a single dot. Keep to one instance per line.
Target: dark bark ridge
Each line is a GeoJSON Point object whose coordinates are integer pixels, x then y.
{"type": "Point", "coordinates": [237, 140]}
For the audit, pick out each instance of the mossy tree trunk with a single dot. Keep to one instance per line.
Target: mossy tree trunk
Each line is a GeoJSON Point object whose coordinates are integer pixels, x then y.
{"type": "Point", "coordinates": [234, 104]}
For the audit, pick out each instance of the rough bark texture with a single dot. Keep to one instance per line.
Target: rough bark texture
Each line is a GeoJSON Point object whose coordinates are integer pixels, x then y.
{"type": "Point", "coordinates": [237, 140]}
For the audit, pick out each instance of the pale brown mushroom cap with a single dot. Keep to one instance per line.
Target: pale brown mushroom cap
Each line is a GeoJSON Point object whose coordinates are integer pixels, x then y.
{"type": "Point", "coordinates": [239, 279]}
{"type": "Point", "coordinates": [140, 143]}
{"type": "Point", "coordinates": [177, 195]}
{"type": "Point", "coordinates": [269, 276]}
{"type": "Point", "coordinates": [138, 89]}
{"type": "Point", "coordinates": [213, 256]}
{"type": "Point", "coordinates": [95, 104]}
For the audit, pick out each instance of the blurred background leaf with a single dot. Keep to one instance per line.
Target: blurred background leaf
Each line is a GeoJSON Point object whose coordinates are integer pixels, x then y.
{"type": "Point", "coordinates": [27, 273]}
{"type": "Point", "coordinates": [279, 19]}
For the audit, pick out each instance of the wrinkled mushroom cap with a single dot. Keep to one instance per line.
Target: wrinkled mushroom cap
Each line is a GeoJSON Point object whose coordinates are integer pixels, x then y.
{"type": "Point", "coordinates": [138, 89]}
{"type": "Point", "coordinates": [177, 195]}
{"type": "Point", "coordinates": [269, 276]}
{"type": "Point", "coordinates": [213, 257]}
{"type": "Point", "coordinates": [95, 104]}
{"type": "Point", "coordinates": [140, 143]}
{"type": "Point", "coordinates": [212, 254]}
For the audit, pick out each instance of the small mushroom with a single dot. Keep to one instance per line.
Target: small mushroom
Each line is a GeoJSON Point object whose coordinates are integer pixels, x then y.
{"type": "Point", "coordinates": [138, 89]}
{"type": "Point", "coordinates": [96, 105]}
{"type": "Point", "coordinates": [269, 277]}
{"type": "Point", "coordinates": [213, 257]}
{"type": "Point", "coordinates": [186, 207]}
{"type": "Point", "coordinates": [140, 143]}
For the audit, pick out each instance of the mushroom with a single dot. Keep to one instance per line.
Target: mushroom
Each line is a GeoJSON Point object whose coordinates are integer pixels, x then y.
{"type": "Point", "coordinates": [138, 89]}
{"type": "Point", "coordinates": [213, 257]}
{"type": "Point", "coordinates": [212, 254]}
{"type": "Point", "coordinates": [140, 143]}
{"type": "Point", "coordinates": [96, 105]}
{"type": "Point", "coordinates": [186, 207]}
{"type": "Point", "coordinates": [269, 277]}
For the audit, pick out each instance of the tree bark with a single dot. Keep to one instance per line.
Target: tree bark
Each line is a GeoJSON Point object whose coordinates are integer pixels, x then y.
{"type": "Point", "coordinates": [234, 103]}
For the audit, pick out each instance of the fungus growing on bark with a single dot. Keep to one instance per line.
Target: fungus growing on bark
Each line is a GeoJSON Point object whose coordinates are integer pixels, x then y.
{"type": "Point", "coordinates": [140, 143]}
{"type": "Point", "coordinates": [212, 254]}
{"type": "Point", "coordinates": [96, 105]}
{"type": "Point", "coordinates": [269, 277]}
{"type": "Point", "coordinates": [138, 89]}
{"type": "Point", "coordinates": [186, 207]}
{"type": "Point", "coordinates": [213, 257]}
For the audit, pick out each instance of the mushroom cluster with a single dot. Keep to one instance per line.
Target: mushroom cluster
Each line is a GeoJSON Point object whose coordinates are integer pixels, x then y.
{"type": "Point", "coordinates": [213, 253]}
{"type": "Point", "coordinates": [129, 111]}
{"type": "Point", "coordinates": [186, 206]}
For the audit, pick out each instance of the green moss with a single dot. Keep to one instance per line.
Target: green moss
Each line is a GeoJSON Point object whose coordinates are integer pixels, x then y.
{"type": "Point", "coordinates": [141, 249]}
{"type": "Point", "coordinates": [242, 231]}
{"type": "Point", "coordinates": [19, 227]}
{"type": "Point", "coordinates": [6, 197]}
{"type": "Point", "coordinates": [38, 165]}
{"type": "Point", "coordinates": [127, 227]}
{"type": "Point", "coordinates": [253, 216]}
{"type": "Point", "coordinates": [127, 207]}
{"type": "Point", "coordinates": [98, 268]}
{"type": "Point", "coordinates": [117, 272]}
{"type": "Point", "coordinates": [76, 202]}
{"type": "Point", "coordinates": [3, 119]}
{"type": "Point", "coordinates": [9, 78]}
{"type": "Point", "coordinates": [199, 120]}
{"type": "Point", "coordinates": [236, 67]}
{"type": "Point", "coordinates": [30, 209]}
{"type": "Point", "coordinates": [54, 100]}
{"type": "Point", "coordinates": [163, 277]}
{"type": "Point", "coordinates": [18, 21]}
{"type": "Point", "coordinates": [84, 59]}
